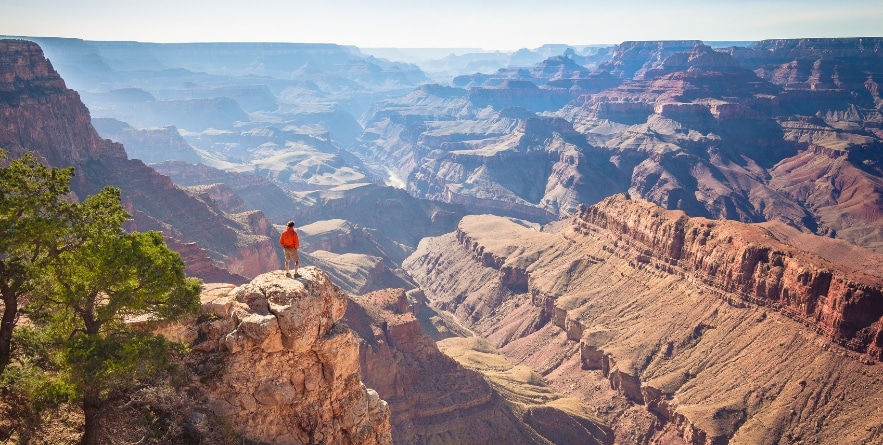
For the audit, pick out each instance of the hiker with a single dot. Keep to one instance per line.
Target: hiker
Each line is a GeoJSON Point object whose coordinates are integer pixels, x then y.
{"type": "Point", "coordinates": [290, 243]}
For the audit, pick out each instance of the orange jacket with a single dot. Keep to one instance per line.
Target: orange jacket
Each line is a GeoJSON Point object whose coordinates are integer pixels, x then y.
{"type": "Point", "coordinates": [289, 239]}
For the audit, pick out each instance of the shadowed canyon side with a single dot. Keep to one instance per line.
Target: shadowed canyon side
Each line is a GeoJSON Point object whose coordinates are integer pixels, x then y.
{"type": "Point", "coordinates": [40, 115]}
{"type": "Point", "coordinates": [435, 400]}
{"type": "Point", "coordinates": [275, 364]}
{"type": "Point", "coordinates": [672, 329]}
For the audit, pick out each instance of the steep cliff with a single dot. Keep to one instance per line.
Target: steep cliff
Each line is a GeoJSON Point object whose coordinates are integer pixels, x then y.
{"type": "Point", "coordinates": [747, 262]}
{"type": "Point", "coordinates": [672, 329]}
{"type": "Point", "coordinates": [436, 400]}
{"type": "Point", "coordinates": [39, 114]}
{"type": "Point", "coordinates": [277, 366]}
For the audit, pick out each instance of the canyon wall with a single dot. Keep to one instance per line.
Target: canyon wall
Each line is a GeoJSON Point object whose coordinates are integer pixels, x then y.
{"type": "Point", "coordinates": [746, 262]}
{"type": "Point", "coordinates": [671, 329]}
{"type": "Point", "coordinates": [39, 114]}
{"type": "Point", "coordinates": [437, 400]}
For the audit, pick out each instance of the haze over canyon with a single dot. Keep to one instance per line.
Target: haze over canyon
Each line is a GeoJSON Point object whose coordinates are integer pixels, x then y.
{"type": "Point", "coordinates": [654, 242]}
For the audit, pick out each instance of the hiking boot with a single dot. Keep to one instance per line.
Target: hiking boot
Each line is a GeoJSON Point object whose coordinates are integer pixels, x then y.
{"type": "Point", "coordinates": [287, 274]}
{"type": "Point", "coordinates": [297, 275]}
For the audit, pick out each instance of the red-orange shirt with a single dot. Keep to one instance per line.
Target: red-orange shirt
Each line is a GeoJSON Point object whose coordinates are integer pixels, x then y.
{"type": "Point", "coordinates": [289, 239]}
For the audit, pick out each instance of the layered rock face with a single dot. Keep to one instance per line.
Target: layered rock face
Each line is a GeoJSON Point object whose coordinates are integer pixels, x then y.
{"type": "Point", "coordinates": [40, 115]}
{"type": "Point", "coordinates": [428, 392]}
{"type": "Point", "coordinates": [256, 192]}
{"type": "Point", "coordinates": [151, 145]}
{"type": "Point", "coordinates": [672, 329]}
{"type": "Point", "coordinates": [279, 367]}
{"type": "Point", "coordinates": [436, 400]}
{"type": "Point", "coordinates": [747, 262]}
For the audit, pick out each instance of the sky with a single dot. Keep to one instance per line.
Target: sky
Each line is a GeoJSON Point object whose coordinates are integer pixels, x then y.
{"type": "Point", "coordinates": [484, 24]}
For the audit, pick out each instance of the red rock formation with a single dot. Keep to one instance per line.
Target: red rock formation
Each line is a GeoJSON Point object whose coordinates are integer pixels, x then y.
{"type": "Point", "coordinates": [199, 264]}
{"type": "Point", "coordinates": [424, 387]}
{"type": "Point", "coordinates": [667, 325]}
{"type": "Point", "coordinates": [223, 196]}
{"type": "Point", "coordinates": [38, 113]}
{"type": "Point", "coordinates": [748, 263]}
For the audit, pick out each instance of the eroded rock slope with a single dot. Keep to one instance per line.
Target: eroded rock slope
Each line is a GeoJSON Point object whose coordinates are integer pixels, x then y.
{"type": "Point", "coordinates": [674, 329]}
{"type": "Point", "coordinates": [435, 399]}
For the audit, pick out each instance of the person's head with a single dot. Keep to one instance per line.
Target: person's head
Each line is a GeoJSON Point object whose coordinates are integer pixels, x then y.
{"type": "Point", "coordinates": [290, 223]}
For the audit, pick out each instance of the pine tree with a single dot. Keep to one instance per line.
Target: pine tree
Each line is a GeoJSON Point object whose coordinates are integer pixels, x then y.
{"type": "Point", "coordinates": [34, 219]}
{"type": "Point", "coordinates": [97, 288]}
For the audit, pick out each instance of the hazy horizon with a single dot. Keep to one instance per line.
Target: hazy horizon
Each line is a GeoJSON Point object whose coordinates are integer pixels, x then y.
{"type": "Point", "coordinates": [490, 25]}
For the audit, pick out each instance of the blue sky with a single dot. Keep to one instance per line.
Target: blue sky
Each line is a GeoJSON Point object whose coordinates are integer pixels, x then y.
{"type": "Point", "coordinates": [490, 24]}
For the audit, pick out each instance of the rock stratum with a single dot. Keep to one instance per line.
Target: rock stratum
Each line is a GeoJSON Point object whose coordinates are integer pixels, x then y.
{"type": "Point", "coordinates": [277, 366]}
{"type": "Point", "coordinates": [673, 329]}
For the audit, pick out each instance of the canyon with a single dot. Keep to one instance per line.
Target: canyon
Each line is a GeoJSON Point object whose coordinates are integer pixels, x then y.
{"type": "Point", "coordinates": [671, 329]}
{"type": "Point", "coordinates": [733, 133]}
{"type": "Point", "coordinates": [651, 243]}
{"type": "Point", "coordinates": [40, 115]}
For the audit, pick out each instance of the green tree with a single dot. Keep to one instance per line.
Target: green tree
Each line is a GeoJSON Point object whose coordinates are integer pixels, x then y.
{"type": "Point", "coordinates": [97, 289]}
{"type": "Point", "coordinates": [34, 223]}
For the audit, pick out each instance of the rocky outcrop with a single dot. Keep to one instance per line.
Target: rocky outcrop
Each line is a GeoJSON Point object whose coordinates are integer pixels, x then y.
{"type": "Point", "coordinates": [222, 195]}
{"type": "Point", "coordinates": [150, 145]}
{"type": "Point", "coordinates": [633, 59]}
{"type": "Point", "coordinates": [256, 192]}
{"type": "Point", "coordinates": [277, 366]}
{"type": "Point", "coordinates": [520, 93]}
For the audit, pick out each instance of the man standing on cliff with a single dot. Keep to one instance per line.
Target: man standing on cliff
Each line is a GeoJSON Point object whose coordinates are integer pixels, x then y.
{"type": "Point", "coordinates": [290, 243]}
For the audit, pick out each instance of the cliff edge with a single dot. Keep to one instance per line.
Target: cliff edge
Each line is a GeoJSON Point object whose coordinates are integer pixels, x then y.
{"type": "Point", "coordinates": [274, 363]}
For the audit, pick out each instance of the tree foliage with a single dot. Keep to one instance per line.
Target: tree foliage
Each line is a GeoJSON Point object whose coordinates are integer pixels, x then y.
{"type": "Point", "coordinates": [34, 222]}
{"type": "Point", "coordinates": [97, 289]}
{"type": "Point", "coordinates": [85, 281]}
